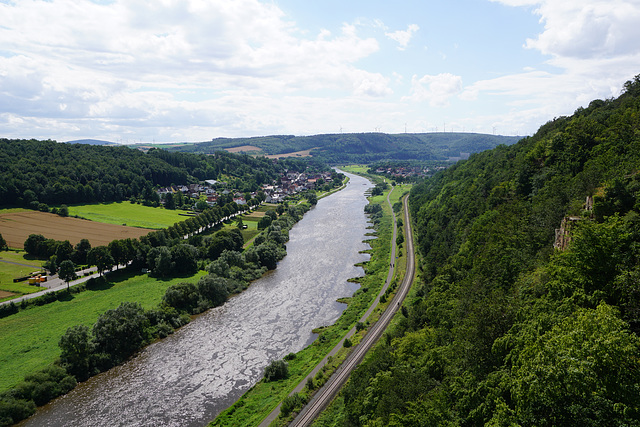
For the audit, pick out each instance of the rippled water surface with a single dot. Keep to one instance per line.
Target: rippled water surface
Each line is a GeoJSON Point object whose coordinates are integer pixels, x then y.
{"type": "Point", "coordinates": [189, 377]}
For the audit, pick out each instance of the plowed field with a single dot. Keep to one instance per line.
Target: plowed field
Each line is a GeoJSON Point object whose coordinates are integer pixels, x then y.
{"type": "Point", "coordinates": [15, 227]}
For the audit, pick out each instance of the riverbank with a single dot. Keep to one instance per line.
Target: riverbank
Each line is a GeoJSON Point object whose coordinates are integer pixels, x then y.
{"type": "Point", "coordinates": [254, 406]}
{"type": "Point", "coordinates": [202, 356]}
{"type": "Point", "coordinates": [30, 337]}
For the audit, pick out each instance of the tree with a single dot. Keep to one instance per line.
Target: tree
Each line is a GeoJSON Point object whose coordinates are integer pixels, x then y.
{"type": "Point", "coordinates": [214, 289]}
{"type": "Point", "coordinates": [63, 211]}
{"type": "Point", "coordinates": [184, 259]}
{"type": "Point", "coordinates": [51, 264]}
{"type": "Point", "coordinates": [312, 198]}
{"type": "Point", "coordinates": [3, 244]}
{"type": "Point", "coordinates": [160, 261]}
{"type": "Point", "coordinates": [75, 346]}
{"type": "Point", "coordinates": [101, 258]}
{"type": "Point", "coordinates": [582, 372]}
{"type": "Point", "coordinates": [119, 252]}
{"type": "Point", "coordinates": [201, 205]}
{"type": "Point", "coordinates": [183, 297]}
{"type": "Point", "coordinates": [63, 250]}
{"type": "Point", "coordinates": [269, 254]}
{"type": "Point", "coordinates": [169, 201]}
{"type": "Point", "coordinates": [120, 332]}
{"type": "Point", "coordinates": [276, 370]}
{"type": "Point", "coordinates": [67, 271]}
{"type": "Point", "coordinates": [79, 254]}
{"type": "Point", "coordinates": [32, 244]}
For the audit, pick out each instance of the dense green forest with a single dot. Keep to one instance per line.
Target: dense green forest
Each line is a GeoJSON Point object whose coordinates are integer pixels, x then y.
{"type": "Point", "coordinates": [352, 148]}
{"type": "Point", "coordinates": [33, 172]}
{"type": "Point", "coordinates": [503, 329]}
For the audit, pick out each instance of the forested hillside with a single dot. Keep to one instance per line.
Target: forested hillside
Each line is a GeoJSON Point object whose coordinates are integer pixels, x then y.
{"type": "Point", "coordinates": [33, 172]}
{"type": "Point", "coordinates": [363, 147]}
{"type": "Point", "coordinates": [504, 329]}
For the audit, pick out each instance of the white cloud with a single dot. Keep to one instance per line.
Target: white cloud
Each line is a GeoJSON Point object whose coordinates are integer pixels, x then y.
{"type": "Point", "coordinates": [64, 59]}
{"type": "Point", "coordinates": [403, 37]}
{"type": "Point", "coordinates": [436, 89]}
{"type": "Point", "coordinates": [585, 28]}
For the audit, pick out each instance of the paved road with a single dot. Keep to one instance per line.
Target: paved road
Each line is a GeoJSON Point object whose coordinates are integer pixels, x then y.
{"type": "Point", "coordinates": [53, 284]}
{"type": "Point", "coordinates": [326, 394]}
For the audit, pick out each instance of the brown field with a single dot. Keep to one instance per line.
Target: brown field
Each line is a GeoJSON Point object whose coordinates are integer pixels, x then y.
{"type": "Point", "coordinates": [242, 148]}
{"type": "Point", "coordinates": [15, 227]}
{"type": "Point", "coordinates": [5, 294]}
{"type": "Point", "coordinates": [304, 153]}
{"type": "Point", "coordinates": [255, 214]}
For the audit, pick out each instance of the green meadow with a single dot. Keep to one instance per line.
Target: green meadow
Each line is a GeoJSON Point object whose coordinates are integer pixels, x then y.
{"type": "Point", "coordinates": [29, 338]}
{"type": "Point", "coordinates": [16, 264]}
{"type": "Point", "coordinates": [127, 213]}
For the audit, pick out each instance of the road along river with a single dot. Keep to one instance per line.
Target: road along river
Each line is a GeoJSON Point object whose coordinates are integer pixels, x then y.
{"type": "Point", "coordinates": [189, 377]}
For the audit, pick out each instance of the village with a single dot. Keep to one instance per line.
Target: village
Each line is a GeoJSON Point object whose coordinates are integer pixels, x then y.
{"type": "Point", "coordinates": [408, 171]}
{"type": "Point", "coordinates": [287, 185]}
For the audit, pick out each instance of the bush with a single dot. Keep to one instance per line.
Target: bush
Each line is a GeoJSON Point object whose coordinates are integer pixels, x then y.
{"type": "Point", "coordinates": [13, 410]}
{"type": "Point", "coordinates": [310, 384]}
{"type": "Point", "coordinates": [290, 403]}
{"type": "Point", "coordinates": [277, 370]}
{"type": "Point", "coordinates": [183, 297]}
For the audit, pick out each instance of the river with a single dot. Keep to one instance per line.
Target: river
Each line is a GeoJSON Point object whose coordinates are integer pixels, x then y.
{"type": "Point", "coordinates": [189, 377]}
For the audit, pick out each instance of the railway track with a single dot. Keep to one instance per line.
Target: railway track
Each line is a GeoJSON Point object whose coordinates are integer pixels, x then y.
{"type": "Point", "coordinates": [325, 395]}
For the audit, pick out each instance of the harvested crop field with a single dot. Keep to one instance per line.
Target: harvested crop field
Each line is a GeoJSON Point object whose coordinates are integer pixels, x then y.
{"type": "Point", "coordinates": [15, 227]}
{"type": "Point", "coordinates": [243, 148]}
{"type": "Point", "coordinates": [304, 153]}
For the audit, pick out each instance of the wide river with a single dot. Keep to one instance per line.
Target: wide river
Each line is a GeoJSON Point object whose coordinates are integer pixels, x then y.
{"type": "Point", "coordinates": [189, 377]}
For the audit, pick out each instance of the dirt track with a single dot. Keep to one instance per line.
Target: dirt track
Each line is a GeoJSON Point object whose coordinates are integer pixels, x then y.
{"type": "Point", "coordinates": [15, 227]}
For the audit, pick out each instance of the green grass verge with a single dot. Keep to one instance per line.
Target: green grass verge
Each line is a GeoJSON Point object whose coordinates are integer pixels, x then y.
{"type": "Point", "coordinates": [9, 271]}
{"type": "Point", "coordinates": [29, 338]}
{"type": "Point", "coordinates": [262, 398]}
{"type": "Point", "coordinates": [357, 169]}
{"type": "Point", "coordinates": [126, 213]}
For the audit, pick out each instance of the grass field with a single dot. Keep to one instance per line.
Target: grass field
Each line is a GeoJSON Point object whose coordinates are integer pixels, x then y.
{"type": "Point", "coordinates": [9, 269]}
{"type": "Point", "coordinates": [29, 339]}
{"type": "Point", "coordinates": [130, 214]}
{"type": "Point", "coordinates": [357, 169]}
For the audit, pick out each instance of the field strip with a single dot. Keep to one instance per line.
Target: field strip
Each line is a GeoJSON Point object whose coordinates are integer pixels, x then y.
{"type": "Point", "coordinates": [16, 227]}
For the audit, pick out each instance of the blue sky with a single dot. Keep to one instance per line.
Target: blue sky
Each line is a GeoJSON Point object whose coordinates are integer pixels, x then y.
{"type": "Point", "coordinates": [192, 70]}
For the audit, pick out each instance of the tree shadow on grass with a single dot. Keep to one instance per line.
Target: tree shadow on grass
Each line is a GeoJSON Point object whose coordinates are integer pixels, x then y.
{"type": "Point", "coordinates": [65, 296]}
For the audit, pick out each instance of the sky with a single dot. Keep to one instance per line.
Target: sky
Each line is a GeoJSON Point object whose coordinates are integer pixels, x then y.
{"type": "Point", "coordinates": [132, 71]}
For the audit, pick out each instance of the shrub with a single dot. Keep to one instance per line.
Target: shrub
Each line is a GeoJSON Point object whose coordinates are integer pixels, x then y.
{"type": "Point", "coordinates": [310, 384]}
{"type": "Point", "coordinates": [290, 403]}
{"type": "Point", "coordinates": [13, 410]}
{"type": "Point", "coordinates": [276, 370]}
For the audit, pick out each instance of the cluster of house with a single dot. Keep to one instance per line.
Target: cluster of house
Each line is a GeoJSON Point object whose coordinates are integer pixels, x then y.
{"type": "Point", "coordinates": [206, 189]}
{"type": "Point", "coordinates": [292, 183]}
{"type": "Point", "coordinates": [287, 184]}
{"type": "Point", "coordinates": [405, 172]}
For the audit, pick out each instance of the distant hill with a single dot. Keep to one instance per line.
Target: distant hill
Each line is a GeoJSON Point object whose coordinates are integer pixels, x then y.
{"type": "Point", "coordinates": [91, 142]}
{"type": "Point", "coordinates": [359, 147]}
